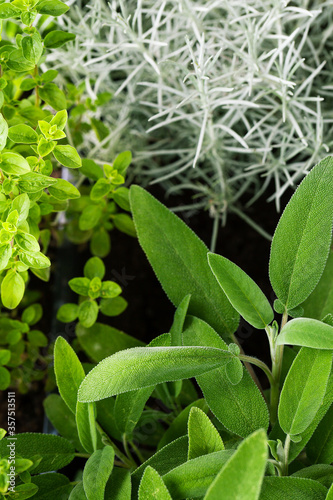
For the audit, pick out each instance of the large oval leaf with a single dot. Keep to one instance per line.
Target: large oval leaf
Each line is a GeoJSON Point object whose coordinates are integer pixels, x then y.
{"type": "Point", "coordinates": [302, 238]}
{"type": "Point", "coordinates": [304, 390]}
{"type": "Point", "coordinates": [307, 332]}
{"type": "Point", "coordinates": [320, 302]}
{"type": "Point", "coordinates": [179, 259]}
{"type": "Point", "coordinates": [243, 293]}
{"type": "Point", "coordinates": [145, 366]}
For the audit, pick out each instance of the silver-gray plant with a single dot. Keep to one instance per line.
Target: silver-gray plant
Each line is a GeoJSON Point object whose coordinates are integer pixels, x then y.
{"type": "Point", "coordinates": [221, 98]}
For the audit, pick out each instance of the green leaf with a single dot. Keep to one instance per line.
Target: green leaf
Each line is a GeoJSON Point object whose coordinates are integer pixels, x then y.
{"type": "Point", "coordinates": [241, 408]}
{"type": "Point", "coordinates": [52, 485]}
{"type": "Point", "coordinates": [88, 312]}
{"type": "Point", "coordinates": [179, 260]}
{"type": "Point", "coordinates": [323, 473]}
{"type": "Point", "coordinates": [53, 96]}
{"type": "Point", "coordinates": [94, 267]}
{"type": "Point", "coordinates": [119, 485]}
{"type": "Point", "coordinates": [178, 427]}
{"type": "Point", "coordinates": [67, 313]}
{"type": "Point", "coordinates": [121, 197]}
{"type": "Point", "coordinates": [304, 389]}
{"type": "Point", "coordinates": [96, 473]}
{"type": "Point", "coordinates": [125, 224]}
{"type": "Point", "coordinates": [55, 451]}
{"type": "Point", "coordinates": [320, 447]}
{"type": "Point", "coordinates": [3, 129]}
{"type": "Point", "coordinates": [23, 491]}
{"type": "Point", "coordinates": [21, 203]}
{"type": "Point", "coordinates": [292, 488]}
{"type": "Point", "coordinates": [122, 162]}
{"type": "Point", "coordinates": [80, 285]}
{"type": "Point", "coordinates": [62, 419]}
{"type": "Point", "coordinates": [67, 156]}
{"type": "Point", "coordinates": [330, 494]}
{"type": "Point", "coordinates": [27, 242]}
{"type": "Point", "coordinates": [52, 7]}
{"type": "Point", "coordinates": [64, 190]}
{"type": "Point", "coordinates": [203, 436]}
{"type": "Point", "coordinates": [191, 479]}
{"type": "Point", "coordinates": [5, 255]}
{"type": "Point", "coordinates": [32, 314]}
{"type": "Point", "coordinates": [12, 289]}
{"type": "Point", "coordinates": [35, 260]}
{"type": "Point", "coordinates": [32, 48]}
{"type": "Point", "coordinates": [69, 372]}
{"type": "Point", "coordinates": [234, 371]}
{"type": "Point", "coordinates": [320, 302]}
{"type": "Point", "coordinates": [4, 378]}
{"type": "Point", "coordinates": [100, 189]}
{"type": "Point", "coordinates": [33, 182]}
{"type": "Point", "coordinates": [179, 320]}
{"type": "Point", "coordinates": [153, 365]}
{"type": "Point", "coordinates": [7, 11]}
{"type": "Point", "coordinates": [22, 134]}
{"type": "Point", "coordinates": [307, 332]}
{"type": "Point", "coordinates": [250, 459]}
{"type": "Point", "coordinates": [152, 486]}
{"type": "Point", "coordinates": [110, 289]}
{"type": "Point", "coordinates": [4, 356]}
{"type": "Point", "coordinates": [101, 340]}
{"type": "Point", "coordinates": [14, 164]}
{"type": "Point", "coordinates": [302, 238]}
{"type": "Point", "coordinates": [78, 492]}
{"type": "Point", "coordinates": [90, 217]}
{"type": "Point", "coordinates": [113, 307]}
{"type": "Point", "coordinates": [57, 38]}
{"type": "Point", "coordinates": [100, 244]}
{"type": "Point", "coordinates": [243, 293]}
{"type": "Point", "coordinates": [91, 170]}
{"type": "Point", "coordinates": [85, 421]}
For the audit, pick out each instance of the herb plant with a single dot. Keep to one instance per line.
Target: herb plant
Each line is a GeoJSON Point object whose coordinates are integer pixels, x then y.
{"type": "Point", "coordinates": [237, 439]}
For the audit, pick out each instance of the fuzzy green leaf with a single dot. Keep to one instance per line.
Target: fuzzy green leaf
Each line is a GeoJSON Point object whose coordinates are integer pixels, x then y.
{"type": "Point", "coordinates": [152, 486]}
{"type": "Point", "coordinates": [302, 238]}
{"type": "Point", "coordinates": [292, 488]}
{"type": "Point", "coordinates": [69, 372]}
{"type": "Point", "coordinates": [320, 302]}
{"type": "Point", "coordinates": [12, 289]}
{"type": "Point", "coordinates": [97, 472]}
{"type": "Point", "coordinates": [145, 366]}
{"type": "Point", "coordinates": [203, 436]}
{"type": "Point", "coordinates": [179, 259]}
{"type": "Point", "coordinates": [241, 408]}
{"type": "Point", "coordinates": [304, 390]}
{"type": "Point", "coordinates": [243, 293]}
{"type": "Point", "coordinates": [307, 332]}
{"type": "Point", "coordinates": [320, 447]}
{"type": "Point", "coordinates": [241, 477]}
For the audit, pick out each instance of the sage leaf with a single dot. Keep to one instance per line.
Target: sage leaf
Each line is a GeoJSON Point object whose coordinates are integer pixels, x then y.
{"type": "Point", "coordinates": [119, 485]}
{"type": "Point", "coordinates": [307, 332]}
{"type": "Point", "coordinates": [304, 390]}
{"type": "Point", "coordinates": [178, 321]}
{"type": "Point", "coordinates": [179, 259]}
{"type": "Point", "coordinates": [240, 408]}
{"type": "Point", "coordinates": [320, 447]}
{"type": "Point", "coordinates": [203, 438]}
{"type": "Point", "coordinates": [302, 239]}
{"type": "Point", "coordinates": [152, 486]}
{"type": "Point", "coordinates": [293, 488]}
{"type": "Point", "coordinates": [97, 472]}
{"type": "Point", "coordinates": [192, 478]}
{"type": "Point", "coordinates": [323, 473]}
{"type": "Point", "coordinates": [243, 293]}
{"type": "Point", "coordinates": [145, 366]}
{"type": "Point", "coordinates": [51, 483]}
{"type": "Point", "coordinates": [241, 477]}
{"type": "Point", "coordinates": [234, 371]}
{"type": "Point", "coordinates": [68, 371]}
{"type": "Point", "coordinates": [85, 417]}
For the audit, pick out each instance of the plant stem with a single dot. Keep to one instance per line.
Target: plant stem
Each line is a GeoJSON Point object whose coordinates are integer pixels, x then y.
{"type": "Point", "coordinates": [119, 453]}
{"type": "Point", "coordinates": [248, 365]}
{"type": "Point", "coordinates": [127, 450]}
{"type": "Point", "coordinates": [260, 364]}
{"type": "Point", "coordinates": [137, 452]}
{"type": "Point", "coordinates": [277, 358]}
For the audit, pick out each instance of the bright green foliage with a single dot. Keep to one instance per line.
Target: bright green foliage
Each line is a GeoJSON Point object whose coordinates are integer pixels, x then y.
{"type": "Point", "coordinates": [158, 364]}
{"type": "Point", "coordinates": [302, 238]}
{"type": "Point", "coordinates": [275, 488]}
{"type": "Point", "coordinates": [241, 477]}
{"type": "Point", "coordinates": [203, 436]}
{"type": "Point", "coordinates": [152, 486]}
{"type": "Point", "coordinates": [179, 260]}
{"type": "Point", "coordinates": [304, 389]}
{"type": "Point", "coordinates": [320, 447]}
{"type": "Point", "coordinates": [96, 473]}
{"type": "Point", "coordinates": [320, 302]}
{"type": "Point", "coordinates": [307, 332]}
{"type": "Point", "coordinates": [69, 372]}
{"type": "Point", "coordinates": [245, 296]}
{"type": "Point", "coordinates": [91, 288]}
